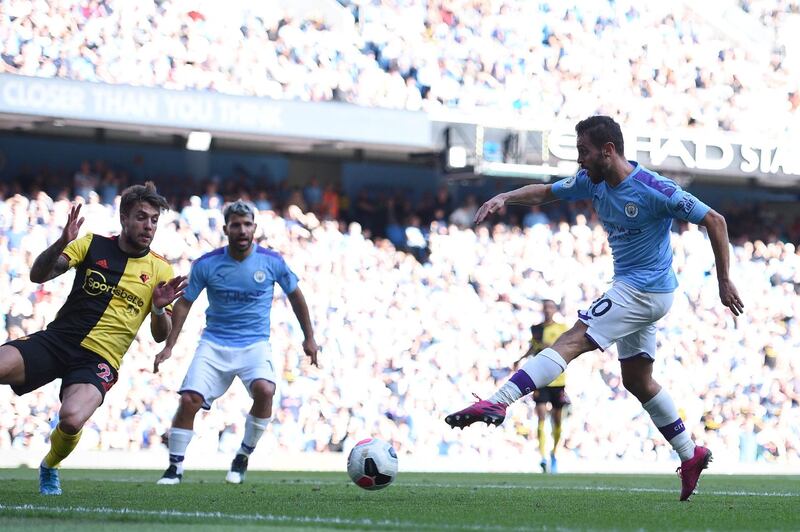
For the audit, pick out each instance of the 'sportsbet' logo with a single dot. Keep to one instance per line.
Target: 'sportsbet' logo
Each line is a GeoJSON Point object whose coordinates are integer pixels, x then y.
{"type": "Point", "coordinates": [95, 284]}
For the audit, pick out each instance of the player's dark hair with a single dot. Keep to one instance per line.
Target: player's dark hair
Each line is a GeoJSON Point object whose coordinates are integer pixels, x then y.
{"type": "Point", "coordinates": [601, 129]}
{"type": "Point", "coordinates": [240, 208]}
{"type": "Point", "coordinates": [137, 193]}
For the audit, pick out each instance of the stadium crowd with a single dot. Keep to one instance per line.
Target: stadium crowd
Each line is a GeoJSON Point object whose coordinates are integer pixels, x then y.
{"type": "Point", "coordinates": [656, 63]}
{"type": "Point", "coordinates": [407, 337]}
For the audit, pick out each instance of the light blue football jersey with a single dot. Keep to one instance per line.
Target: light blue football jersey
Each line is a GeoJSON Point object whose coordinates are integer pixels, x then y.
{"type": "Point", "coordinates": [239, 293]}
{"type": "Point", "coordinates": [637, 215]}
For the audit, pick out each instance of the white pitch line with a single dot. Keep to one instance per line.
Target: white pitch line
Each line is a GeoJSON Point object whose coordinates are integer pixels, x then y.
{"type": "Point", "coordinates": [605, 488]}
{"type": "Point", "coordinates": [263, 518]}
{"type": "Point", "coordinates": [555, 488]}
{"type": "Point", "coordinates": [721, 493]}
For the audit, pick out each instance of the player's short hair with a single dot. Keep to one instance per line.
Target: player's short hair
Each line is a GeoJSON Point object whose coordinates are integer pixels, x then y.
{"type": "Point", "coordinates": [137, 193]}
{"type": "Point", "coordinates": [601, 129]}
{"type": "Point", "coordinates": [240, 208]}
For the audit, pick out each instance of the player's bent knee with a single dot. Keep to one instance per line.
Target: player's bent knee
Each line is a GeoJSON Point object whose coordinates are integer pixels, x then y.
{"type": "Point", "coordinates": [637, 386]}
{"type": "Point", "coordinates": [71, 421]}
{"type": "Point", "coordinates": [191, 401]}
{"type": "Point", "coordinates": [263, 389]}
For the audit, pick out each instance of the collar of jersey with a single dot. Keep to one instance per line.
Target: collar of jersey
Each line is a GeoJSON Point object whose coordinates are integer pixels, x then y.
{"type": "Point", "coordinates": [636, 168]}
{"type": "Point", "coordinates": [131, 255]}
{"type": "Point", "coordinates": [230, 257]}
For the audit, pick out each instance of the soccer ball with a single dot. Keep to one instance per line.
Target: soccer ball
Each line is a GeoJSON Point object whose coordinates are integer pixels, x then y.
{"type": "Point", "coordinates": [372, 464]}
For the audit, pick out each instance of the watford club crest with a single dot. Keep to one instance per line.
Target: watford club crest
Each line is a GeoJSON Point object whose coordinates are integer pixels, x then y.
{"type": "Point", "coordinates": [144, 277]}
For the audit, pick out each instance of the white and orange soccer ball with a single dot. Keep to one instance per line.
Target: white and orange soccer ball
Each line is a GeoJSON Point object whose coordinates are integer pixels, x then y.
{"type": "Point", "coordinates": [372, 464]}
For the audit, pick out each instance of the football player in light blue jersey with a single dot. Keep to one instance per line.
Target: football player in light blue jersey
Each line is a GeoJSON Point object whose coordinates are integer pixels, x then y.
{"type": "Point", "coordinates": [636, 207]}
{"type": "Point", "coordinates": [239, 280]}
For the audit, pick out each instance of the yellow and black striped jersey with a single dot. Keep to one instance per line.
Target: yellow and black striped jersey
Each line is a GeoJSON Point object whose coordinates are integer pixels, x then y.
{"type": "Point", "coordinates": [544, 336]}
{"type": "Point", "coordinates": [110, 297]}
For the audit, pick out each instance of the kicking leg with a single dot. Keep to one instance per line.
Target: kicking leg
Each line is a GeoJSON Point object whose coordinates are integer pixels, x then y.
{"type": "Point", "coordinates": [543, 368]}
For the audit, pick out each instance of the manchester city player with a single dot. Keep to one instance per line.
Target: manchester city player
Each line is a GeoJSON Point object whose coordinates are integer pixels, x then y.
{"type": "Point", "coordinates": [239, 279]}
{"type": "Point", "coordinates": [636, 207]}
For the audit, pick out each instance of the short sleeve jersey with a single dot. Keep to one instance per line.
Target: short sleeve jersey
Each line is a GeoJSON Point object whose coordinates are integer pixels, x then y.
{"type": "Point", "coordinates": [111, 295]}
{"type": "Point", "coordinates": [239, 293]}
{"type": "Point", "coordinates": [637, 215]}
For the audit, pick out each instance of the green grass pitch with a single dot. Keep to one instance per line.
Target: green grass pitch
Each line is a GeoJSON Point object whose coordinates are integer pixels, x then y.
{"type": "Point", "coordinates": [130, 500]}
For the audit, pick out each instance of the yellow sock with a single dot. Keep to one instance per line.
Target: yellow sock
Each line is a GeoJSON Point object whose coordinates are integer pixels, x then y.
{"type": "Point", "coordinates": [556, 435]}
{"type": "Point", "coordinates": [540, 434]}
{"type": "Point", "coordinates": [61, 444]}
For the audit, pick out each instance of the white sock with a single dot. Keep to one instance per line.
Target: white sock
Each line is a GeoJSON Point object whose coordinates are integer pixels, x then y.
{"type": "Point", "coordinates": [665, 416]}
{"type": "Point", "coordinates": [542, 369]}
{"type": "Point", "coordinates": [178, 442]}
{"type": "Point", "coordinates": [254, 428]}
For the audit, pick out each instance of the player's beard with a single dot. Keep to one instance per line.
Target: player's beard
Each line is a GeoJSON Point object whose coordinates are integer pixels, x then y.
{"type": "Point", "coordinates": [595, 174]}
{"type": "Point", "coordinates": [136, 243]}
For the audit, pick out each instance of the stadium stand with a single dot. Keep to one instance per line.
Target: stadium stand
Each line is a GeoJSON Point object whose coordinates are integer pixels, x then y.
{"type": "Point", "coordinates": [668, 64]}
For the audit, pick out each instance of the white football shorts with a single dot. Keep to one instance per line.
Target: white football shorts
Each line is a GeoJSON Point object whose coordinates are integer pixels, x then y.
{"type": "Point", "coordinates": [214, 367]}
{"type": "Point", "coordinates": [626, 316]}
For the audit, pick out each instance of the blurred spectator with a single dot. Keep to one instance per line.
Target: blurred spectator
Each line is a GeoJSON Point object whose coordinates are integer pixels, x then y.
{"type": "Point", "coordinates": [312, 194]}
{"type": "Point", "coordinates": [262, 201]}
{"type": "Point", "coordinates": [85, 180]}
{"type": "Point", "coordinates": [463, 216]}
{"type": "Point", "coordinates": [211, 195]}
{"type": "Point", "coordinates": [330, 202]}
{"type": "Point", "coordinates": [535, 217]}
{"type": "Point", "coordinates": [195, 215]}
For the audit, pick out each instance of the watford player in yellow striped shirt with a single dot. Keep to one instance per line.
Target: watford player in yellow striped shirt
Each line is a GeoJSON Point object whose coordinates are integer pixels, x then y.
{"type": "Point", "coordinates": [118, 283]}
{"type": "Point", "coordinates": [544, 335]}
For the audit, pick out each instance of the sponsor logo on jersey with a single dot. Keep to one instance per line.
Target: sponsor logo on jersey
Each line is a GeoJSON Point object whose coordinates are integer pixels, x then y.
{"type": "Point", "coordinates": [569, 182]}
{"type": "Point", "coordinates": [618, 232]}
{"type": "Point", "coordinates": [631, 210]}
{"type": "Point", "coordinates": [95, 284]}
{"type": "Point", "coordinates": [103, 263]}
{"type": "Point", "coordinates": [235, 296]}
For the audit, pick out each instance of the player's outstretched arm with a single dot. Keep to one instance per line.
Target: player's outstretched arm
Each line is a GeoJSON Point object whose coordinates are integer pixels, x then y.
{"type": "Point", "coordinates": [179, 312]}
{"type": "Point", "coordinates": [300, 308]}
{"type": "Point", "coordinates": [717, 230]}
{"type": "Point", "coordinates": [527, 195]}
{"type": "Point", "coordinates": [51, 263]}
